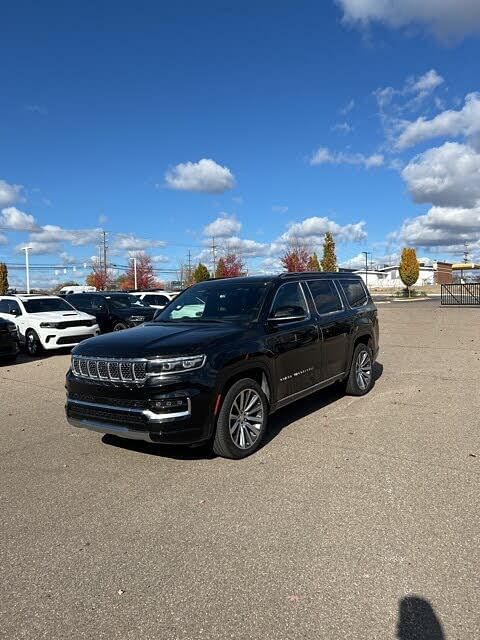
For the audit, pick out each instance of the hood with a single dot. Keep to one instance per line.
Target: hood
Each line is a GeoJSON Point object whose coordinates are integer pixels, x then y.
{"type": "Point", "coordinates": [60, 316]}
{"type": "Point", "coordinates": [157, 340]}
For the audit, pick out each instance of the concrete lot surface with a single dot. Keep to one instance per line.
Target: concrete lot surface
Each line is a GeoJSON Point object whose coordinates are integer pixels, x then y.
{"type": "Point", "coordinates": [358, 519]}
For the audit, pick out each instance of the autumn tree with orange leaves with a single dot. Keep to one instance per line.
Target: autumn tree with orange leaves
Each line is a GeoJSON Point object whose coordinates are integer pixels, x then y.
{"type": "Point", "coordinates": [230, 266]}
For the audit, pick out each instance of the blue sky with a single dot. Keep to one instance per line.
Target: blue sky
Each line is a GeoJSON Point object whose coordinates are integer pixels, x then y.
{"type": "Point", "coordinates": [274, 121]}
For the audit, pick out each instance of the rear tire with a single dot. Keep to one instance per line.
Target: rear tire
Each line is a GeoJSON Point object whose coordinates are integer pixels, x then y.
{"type": "Point", "coordinates": [242, 420]}
{"type": "Point", "coordinates": [119, 326]}
{"type": "Point", "coordinates": [32, 344]}
{"type": "Point", "coordinates": [360, 378]}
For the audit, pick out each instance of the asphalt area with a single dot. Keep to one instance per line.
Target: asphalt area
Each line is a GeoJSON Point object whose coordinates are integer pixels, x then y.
{"type": "Point", "coordinates": [359, 518]}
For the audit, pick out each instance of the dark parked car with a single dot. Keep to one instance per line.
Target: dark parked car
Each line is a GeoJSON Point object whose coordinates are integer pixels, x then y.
{"type": "Point", "coordinates": [114, 311]}
{"type": "Point", "coordinates": [223, 356]}
{"type": "Point", "coordinates": [8, 341]}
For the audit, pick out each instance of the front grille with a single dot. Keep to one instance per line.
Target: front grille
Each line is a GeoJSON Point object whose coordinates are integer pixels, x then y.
{"type": "Point", "coordinates": [107, 415]}
{"type": "Point", "coordinates": [73, 339]}
{"type": "Point", "coordinates": [74, 323]}
{"type": "Point", "coordinates": [121, 403]}
{"type": "Point", "coordinates": [110, 369]}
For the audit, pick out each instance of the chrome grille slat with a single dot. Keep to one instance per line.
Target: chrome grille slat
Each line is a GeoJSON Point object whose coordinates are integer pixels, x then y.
{"type": "Point", "coordinates": [110, 369]}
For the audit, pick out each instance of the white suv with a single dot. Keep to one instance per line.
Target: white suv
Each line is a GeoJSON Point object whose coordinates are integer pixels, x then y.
{"type": "Point", "coordinates": [47, 322]}
{"type": "Point", "coordinates": [155, 299]}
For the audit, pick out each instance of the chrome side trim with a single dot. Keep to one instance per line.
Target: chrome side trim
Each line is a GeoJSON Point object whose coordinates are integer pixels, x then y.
{"type": "Point", "coordinates": [112, 429]}
{"type": "Point", "coordinates": [150, 415]}
{"type": "Point", "coordinates": [308, 390]}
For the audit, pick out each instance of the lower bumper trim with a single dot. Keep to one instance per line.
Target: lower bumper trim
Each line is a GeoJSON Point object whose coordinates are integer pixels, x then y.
{"type": "Point", "coordinates": [112, 429]}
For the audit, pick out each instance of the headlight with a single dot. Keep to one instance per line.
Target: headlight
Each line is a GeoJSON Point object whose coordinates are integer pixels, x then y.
{"type": "Point", "coordinates": [49, 325]}
{"type": "Point", "coordinates": [175, 365]}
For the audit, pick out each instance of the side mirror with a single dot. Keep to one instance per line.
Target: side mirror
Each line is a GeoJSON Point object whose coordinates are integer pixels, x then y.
{"type": "Point", "coordinates": [15, 312]}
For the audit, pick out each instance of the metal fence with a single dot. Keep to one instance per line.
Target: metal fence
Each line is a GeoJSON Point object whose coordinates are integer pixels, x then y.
{"type": "Point", "coordinates": [460, 294]}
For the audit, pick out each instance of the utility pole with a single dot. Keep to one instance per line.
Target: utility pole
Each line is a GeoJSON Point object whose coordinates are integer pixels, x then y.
{"type": "Point", "coordinates": [135, 272]}
{"type": "Point", "coordinates": [214, 256]}
{"type": "Point", "coordinates": [27, 272]}
{"type": "Point", "coordinates": [189, 268]}
{"type": "Point", "coordinates": [366, 254]}
{"type": "Point", "coordinates": [104, 243]}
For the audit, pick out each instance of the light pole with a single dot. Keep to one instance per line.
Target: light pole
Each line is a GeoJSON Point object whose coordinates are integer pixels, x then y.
{"type": "Point", "coordinates": [366, 254]}
{"type": "Point", "coordinates": [135, 272]}
{"type": "Point", "coordinates": [27, 249]}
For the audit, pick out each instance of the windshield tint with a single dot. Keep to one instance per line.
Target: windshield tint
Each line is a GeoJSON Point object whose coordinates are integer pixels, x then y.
{"type": "Point", "coordinates": [42, 305]}
{"type": "Point", "coordinates": [124, 301]}
{"type": "Point", "coordinates": [217, 301]}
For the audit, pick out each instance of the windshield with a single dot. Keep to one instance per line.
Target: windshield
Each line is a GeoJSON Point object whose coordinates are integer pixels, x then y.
{"type": "Point", "coordinates": [216, 301]}
{"type": "Point", "coordinates": [42, 305]}
{"type": "Point", "coordinates": [125, 301]}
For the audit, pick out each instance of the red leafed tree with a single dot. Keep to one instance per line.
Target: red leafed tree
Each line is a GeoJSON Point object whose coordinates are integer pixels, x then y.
{"type": "Point", "coordinates": [230, 266]}
{"type": "Point", "coordinates": [99, 278]}
{"type": "Point", "coordinates": [295, 259]}
{"type": "Point", "coordinates": [145, 274]}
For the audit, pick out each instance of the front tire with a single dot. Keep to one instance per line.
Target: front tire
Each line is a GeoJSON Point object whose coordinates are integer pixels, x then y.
{"type": "Point", "coordinates": [242, 420]}
{"type": "Point", "coordinates": [360, 378]}
{"type": "Point", "coordinates": [33, 344]}
{"type": "Point", "coordinates": [119, 326]}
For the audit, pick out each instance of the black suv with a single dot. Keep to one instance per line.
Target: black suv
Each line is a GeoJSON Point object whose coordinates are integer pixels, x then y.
{"type": "Point", "coordinates": [8, 341]}
{"type": "Point", "coordinates": [223, 356]}
{"type": "Point", "coordinates": [114, 310]}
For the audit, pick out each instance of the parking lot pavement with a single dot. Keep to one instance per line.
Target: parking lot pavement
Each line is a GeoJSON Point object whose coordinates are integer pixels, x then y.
{"type": "Point", "coordinates": [353, 507]}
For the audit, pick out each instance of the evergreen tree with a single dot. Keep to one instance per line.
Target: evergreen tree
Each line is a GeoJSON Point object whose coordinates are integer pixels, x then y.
{"type": "Point", "coordinates": [329, 260]}
{"type": "Point", "coordinates": [3, 279]}
{"type": "Point", "coordinates": [409, 269]}
{"type": "Point", "coordinates": [201, 273]}
{"type": "Point", "coordinates": [313, 264]}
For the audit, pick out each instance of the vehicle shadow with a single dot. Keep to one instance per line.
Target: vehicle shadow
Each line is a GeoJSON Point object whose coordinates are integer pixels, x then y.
{"type": "Point", "coordinates": [24, 358]}
{"type": "Point", "coordinates": [281, 419]}
{"type": "Point", "coordinates": [417, 620]}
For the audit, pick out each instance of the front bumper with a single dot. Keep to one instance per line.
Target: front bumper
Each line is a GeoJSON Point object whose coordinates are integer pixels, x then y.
{"type": "Point", "coordinates": [128, 410]}
{"type": "Point", "coordinates": [58, 338]}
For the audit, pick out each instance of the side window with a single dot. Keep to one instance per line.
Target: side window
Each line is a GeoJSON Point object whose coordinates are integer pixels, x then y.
{"type": "Point", "coordinates": [98, 303]}
{"type": "Point", "coordinates": [355, 292]}
{"type": "Point", "coordinates": [162, 300]}
{"type": "Point", "coordinates": [325, 296]}
{"type": "Point", "coordinates": [289, 302]}
{"type": "Point", "coordinates": [3, 306]}
{"type": "Point", "coordinates": [150, 299]}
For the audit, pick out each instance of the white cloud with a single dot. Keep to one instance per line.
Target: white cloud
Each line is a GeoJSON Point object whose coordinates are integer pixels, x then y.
{"type": "Point", "coordinates": [3, 239]}
{"type": "Point", "coordinates": [66, 258]}
{"type": "Point", "coordinates": [223, 226]}
{"type": "Point", "coordinates": [205, 176]}
{"type": "Point", "coordinates": [323, 155]}
{"type": "Point", "coordinates": [129, 242]}
{"type": "Point", "coordinates": [342, 127]}
{"type": "Point", "coordinates": [13, 219]}
{"type": "Point", "coordinates": [428, 82]}
{"type": "Point", "coordinates": [280, 208]}
{"type": "Point", "coordinates": [50, 233]}
{"type": "Point", "coordinates": [446, 19]}
{"type": "Point", "coordinates": [347, 108]}
{"type": "Point", "coordinates": [445, 176]}
{"type": "Point", "coordinates": [357, 262]}
{"type": "Point", "coordinates": [245, 247]}
{"type": "Point", "coordinates": [102, 219]}
{"type": "Point", "coordinates": [465, 122]}
{"type": "Point", "coordinates": [10, 193]}
{"type": "Point", "coordinates": [160, 259]}
{"type": "Point", "coordinates": [311, 232]}
{"type": "Point", "coordinates": [446, 227]}
{"type": "Point", "coordinates": [39, 248]}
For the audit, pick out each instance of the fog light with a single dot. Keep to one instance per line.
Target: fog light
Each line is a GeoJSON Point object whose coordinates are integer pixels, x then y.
{"type": "Point", "coordinates": [170, 405]}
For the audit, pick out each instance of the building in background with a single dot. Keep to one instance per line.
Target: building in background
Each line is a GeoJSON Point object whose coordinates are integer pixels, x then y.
{"type": "Point", "coordinates": [389, 276]}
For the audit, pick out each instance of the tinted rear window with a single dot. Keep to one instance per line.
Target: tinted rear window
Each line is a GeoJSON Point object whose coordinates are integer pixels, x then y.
{"type": "Point", "coordinates": [325, 296]}
{"type": "Point", "coordinates": [355, 292]}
